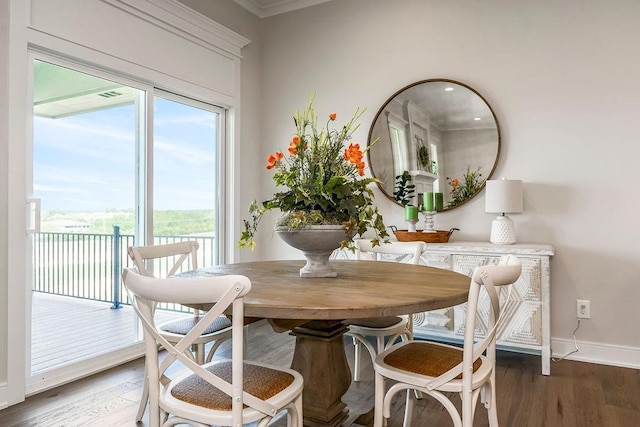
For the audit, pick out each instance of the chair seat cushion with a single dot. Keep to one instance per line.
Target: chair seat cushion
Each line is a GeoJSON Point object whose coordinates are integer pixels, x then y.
{"type": "Point", "coordinates": [375, 322]}
{"type": "Point", "coordinates": [425, 358]}
{"type": "Point", "coordinates": [183, 326]}
{"type": "Point", "coordinates": [259, 381]}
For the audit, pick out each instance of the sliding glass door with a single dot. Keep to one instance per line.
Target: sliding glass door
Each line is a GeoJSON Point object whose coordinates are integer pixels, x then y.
{"type": "Point", "coordinates": [114, 164]}
{"type": "Point", "coordinates": [84, 163]}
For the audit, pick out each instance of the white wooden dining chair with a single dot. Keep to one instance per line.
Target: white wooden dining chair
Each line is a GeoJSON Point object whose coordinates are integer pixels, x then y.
{"type": "Point", "coordinates": [435, 369]}
{"type": "Point", "coordinates": [167, 260]}
{"type": "Point", "coordinates": [226, 392]}
{"type": "Point", "coordinates": [383, 329]}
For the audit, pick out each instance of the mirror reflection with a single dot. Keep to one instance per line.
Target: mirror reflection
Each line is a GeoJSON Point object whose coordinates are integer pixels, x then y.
{"type": "Point", "coordinates": [434, 136]}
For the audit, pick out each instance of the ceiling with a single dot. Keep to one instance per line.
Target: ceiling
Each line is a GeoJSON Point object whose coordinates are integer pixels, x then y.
{"type": "Point", "coordinates": [449, 106]}
{"type": "Point", "coordinates": [62, 92]}
{"type": "Point", "coordinates": [266, 8]}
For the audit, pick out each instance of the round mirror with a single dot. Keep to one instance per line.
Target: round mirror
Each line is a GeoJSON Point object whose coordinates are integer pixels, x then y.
{"type": "Point", "coordinates": [436, 136]}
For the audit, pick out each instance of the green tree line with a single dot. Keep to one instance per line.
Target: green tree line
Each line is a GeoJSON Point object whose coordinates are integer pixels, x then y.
{"type": "Point", "coordinates": [167, 222]}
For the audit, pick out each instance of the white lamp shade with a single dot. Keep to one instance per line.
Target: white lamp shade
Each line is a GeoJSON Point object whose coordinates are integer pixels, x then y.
{"type": "Point", "coordinates": [503, 196]}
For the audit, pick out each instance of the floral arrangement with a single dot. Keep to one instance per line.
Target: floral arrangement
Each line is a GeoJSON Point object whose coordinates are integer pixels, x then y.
{"type": "Point", "coordinates": [321, 180]}
{"type": "Point", "coordinates": [461, 191]}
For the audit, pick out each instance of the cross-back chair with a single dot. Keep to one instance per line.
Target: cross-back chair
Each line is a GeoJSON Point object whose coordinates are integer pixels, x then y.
{"type": "Point", "coordinates": [387, 329]}
{"type": "Point", "coordinates": [434, 368]}
{"type": "Point", "coordinates": [224, 392]}
{"type": "Point", "coordinates": [164, 261]}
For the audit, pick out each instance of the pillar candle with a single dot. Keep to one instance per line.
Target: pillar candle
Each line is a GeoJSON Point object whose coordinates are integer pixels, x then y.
{"type": "Point", "coordinates": [428, 201]}
{"type": "Point", "coordinates": [410, 212]}
{"type": "Point", "coordinates": [438, 201]}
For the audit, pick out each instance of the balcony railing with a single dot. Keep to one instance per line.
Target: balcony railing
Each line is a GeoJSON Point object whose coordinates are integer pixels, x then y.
{"type": "Point", "coordinates": [89, 265]}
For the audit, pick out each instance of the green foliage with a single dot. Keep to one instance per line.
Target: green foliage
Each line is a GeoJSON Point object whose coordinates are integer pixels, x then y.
{"type": "Point", "coordinates": [404, 189]}
{"type": "Point", "coordinates": [423, 155]}
{"type": "Point", "coordinates": [183, 222]}
{"type": "Point", "coordinates": [322, 181]}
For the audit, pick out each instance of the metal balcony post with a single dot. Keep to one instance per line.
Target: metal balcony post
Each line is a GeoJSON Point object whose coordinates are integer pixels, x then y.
{"type": "Point", "coordinates": [116, 267]}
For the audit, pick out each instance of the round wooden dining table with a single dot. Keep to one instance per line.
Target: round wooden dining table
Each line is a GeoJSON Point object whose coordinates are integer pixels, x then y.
{"type": "Point", "coordinates": [314, 310]}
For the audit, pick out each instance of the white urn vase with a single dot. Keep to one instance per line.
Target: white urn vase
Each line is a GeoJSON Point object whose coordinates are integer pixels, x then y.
{"type": "Point", "coordinates": [317, 243]}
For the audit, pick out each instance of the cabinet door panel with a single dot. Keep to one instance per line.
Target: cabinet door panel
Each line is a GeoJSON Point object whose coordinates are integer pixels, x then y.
{"type": "Point", "coordinates": [522, 322]}
{"type": "Point", "coordinates": [436, 260]}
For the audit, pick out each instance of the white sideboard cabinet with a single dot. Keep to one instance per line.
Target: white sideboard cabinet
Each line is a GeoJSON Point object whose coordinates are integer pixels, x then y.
{"type": "Point", "coordinates": [526, 326]}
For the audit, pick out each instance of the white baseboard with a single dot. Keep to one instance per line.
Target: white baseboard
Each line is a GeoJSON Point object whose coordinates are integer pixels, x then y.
{"type": "Point", "coordinates": [4, 401]}
{"type": "Point", "coordinates": [602, 354]}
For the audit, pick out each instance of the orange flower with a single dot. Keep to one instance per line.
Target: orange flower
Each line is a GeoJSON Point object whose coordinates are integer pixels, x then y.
{"type": "Point", "coordinates": [353, 154]}
{"type": "Point", "coordinates": [361, 168]}
{"type": "Point", "coordinates": [455, 182]}
{"type": "Point", "coordinates": [333, 116]}
{"type": "Point", "coordinates": [273, 159]}
{"type": "Point", "coordinates": [293, 145]}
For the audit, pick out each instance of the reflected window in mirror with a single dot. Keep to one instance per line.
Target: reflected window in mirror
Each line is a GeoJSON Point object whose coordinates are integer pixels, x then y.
{"type": "Point", "coordinates": [398, 139]}
{"type": "Point", "coordinates": [443, 133]}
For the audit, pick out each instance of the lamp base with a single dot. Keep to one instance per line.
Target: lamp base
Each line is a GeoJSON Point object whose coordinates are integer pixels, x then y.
{"type": "Point", "coordinates": [503, 232]}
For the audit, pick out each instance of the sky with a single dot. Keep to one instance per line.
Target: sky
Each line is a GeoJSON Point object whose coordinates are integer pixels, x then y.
{"type": "Point", "coordinates": [87, 162]}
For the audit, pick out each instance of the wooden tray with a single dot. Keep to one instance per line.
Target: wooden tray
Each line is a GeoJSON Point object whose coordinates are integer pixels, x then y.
{"type": "Point", "coordinates": [440, 236]}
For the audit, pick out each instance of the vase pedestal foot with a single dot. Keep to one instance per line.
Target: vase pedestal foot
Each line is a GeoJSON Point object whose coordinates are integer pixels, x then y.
{"type": "Point", "coordinates": [318, 265]}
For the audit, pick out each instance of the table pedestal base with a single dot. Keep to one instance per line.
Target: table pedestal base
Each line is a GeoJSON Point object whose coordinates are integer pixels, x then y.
{"type": "Point", "coordinates": [320, 357]}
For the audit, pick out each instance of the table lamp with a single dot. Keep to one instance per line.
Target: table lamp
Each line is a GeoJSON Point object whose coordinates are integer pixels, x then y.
{"type": "Point", "coordinates": [503, 196]}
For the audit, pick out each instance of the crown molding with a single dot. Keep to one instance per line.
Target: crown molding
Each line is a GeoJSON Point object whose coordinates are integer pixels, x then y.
{"type": "Point", "coordinates": [185, 22]}
{"type": "Point", "coordinates": [267, 8]}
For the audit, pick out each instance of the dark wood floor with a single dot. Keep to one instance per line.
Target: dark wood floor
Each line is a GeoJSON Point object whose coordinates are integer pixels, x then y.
{"type": "Point", "coordinates": [576, 394]}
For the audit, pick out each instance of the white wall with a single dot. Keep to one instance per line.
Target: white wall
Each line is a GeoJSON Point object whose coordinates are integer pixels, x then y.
{"type": "Point", "coordinates": [12, 201]}
{"type": "Point", "coordinates": [4, 154]}
{"type": "Point", "coordinates": [561, 78]}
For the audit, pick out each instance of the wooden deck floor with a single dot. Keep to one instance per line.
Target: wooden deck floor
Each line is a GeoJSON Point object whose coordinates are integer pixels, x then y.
{"type": "Point", "coordinates": [55, 319]}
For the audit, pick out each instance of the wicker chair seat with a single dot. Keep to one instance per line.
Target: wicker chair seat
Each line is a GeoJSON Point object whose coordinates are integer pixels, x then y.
{"type": "Point", "coordinates": [259, 381]}
{"type": "Point", "coordinates": [425, 358]}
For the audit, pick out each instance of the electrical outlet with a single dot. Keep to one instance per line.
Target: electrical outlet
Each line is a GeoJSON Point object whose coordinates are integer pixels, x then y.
{"type": "Point", "coordinates": [583, 308]}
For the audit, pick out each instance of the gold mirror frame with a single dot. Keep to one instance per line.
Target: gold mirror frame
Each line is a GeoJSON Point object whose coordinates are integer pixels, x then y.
{"type": "Point", "coordinates": [435, 120]}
